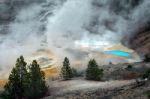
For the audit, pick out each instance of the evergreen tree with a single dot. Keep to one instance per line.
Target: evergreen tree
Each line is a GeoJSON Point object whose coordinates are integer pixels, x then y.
{"type": "Point", "coordinates": [12, 88]}
{"type": "Point", "coordinates": [24, 76]}
{"type": "Point", "coordinates": [66, 71]}
{"type": "Point", "coordinates": [17, 81]}
{"type": "Point", "coordinates": [93, 72]}
{"type": "Point", "coordinates": [37, 85]}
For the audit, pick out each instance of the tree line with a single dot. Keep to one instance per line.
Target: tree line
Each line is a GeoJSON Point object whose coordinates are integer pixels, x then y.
{"type": "Point", "coordinates": [28, 82]}
{"type": "Point", "coordinates": [93, 72]}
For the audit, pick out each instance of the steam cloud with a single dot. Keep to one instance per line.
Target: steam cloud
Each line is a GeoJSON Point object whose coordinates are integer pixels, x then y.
{"type": "Point", "coordinates": [60, 23]}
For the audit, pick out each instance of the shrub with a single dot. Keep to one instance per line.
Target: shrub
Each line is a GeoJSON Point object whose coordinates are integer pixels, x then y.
{"type": "Point", "coordinates": [77, 73]}
{"type": "Point", "coordinates": [148, 94]}
{"type": "Point", "coordinates": [129, 67]}
{"type": "Point", "coordinates": [147, 58]}
{"type": "Point", "coordinates": [146, 74]}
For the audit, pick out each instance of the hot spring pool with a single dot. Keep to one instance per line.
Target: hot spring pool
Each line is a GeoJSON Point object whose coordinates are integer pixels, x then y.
{"type": "Point", "coordinates": [119, 53]}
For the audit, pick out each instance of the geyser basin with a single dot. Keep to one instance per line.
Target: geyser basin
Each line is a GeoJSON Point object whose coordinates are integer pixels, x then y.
{"type": "Point", "coordinates": [119, 53]}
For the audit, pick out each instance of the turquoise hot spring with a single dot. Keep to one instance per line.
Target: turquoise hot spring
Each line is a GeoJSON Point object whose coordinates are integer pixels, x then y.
{"type": "Point", "coordinates": [119, 53]}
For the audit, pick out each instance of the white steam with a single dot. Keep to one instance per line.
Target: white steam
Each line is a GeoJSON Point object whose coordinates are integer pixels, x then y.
{"type": "Point", "coordinates": [61, 23]}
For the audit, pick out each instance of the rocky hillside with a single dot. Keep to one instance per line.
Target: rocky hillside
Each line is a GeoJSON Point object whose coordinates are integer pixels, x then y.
{"type": "Point", "coordinates": [127, 91]}
{"type": "Point", "coordinates": [141, 43]}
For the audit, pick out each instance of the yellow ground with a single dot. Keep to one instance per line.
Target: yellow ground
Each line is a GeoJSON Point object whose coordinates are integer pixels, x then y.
{"type": "Point", "coordinates": [51, 72]}
{"type": "Point", "coordinates": [120, 47]}
{"type": "Point", "coordinates": [2, 83]}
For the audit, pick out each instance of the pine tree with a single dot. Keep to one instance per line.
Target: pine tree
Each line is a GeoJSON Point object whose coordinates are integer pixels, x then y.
{"type": "Point", "coordinates": [24, 76]}
{"type": "Point", "coordinates": [37, 85]}
{"type": "Point", "coordinates": [17, 81]}
{"type": "Point", "coordinates": [66, 71]}
{"type": "Point", "coordinates": [12, 88]}
{"type": "Point", "coordinates": [93, 72]}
